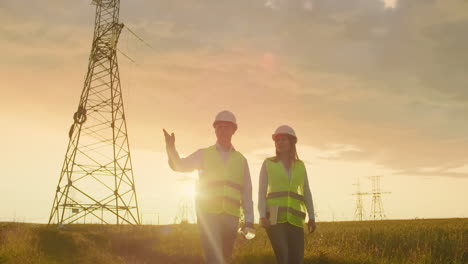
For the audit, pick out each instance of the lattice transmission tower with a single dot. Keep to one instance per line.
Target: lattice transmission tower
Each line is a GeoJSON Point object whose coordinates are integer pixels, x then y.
{"type": "Point", "coordinates": [96, 183]}
{"type": "Point", "coordinates": [185, 213]}
{"type": "Point", "coordinates": [359, 211]}
{"type": "Point", "coordinates": [377, 210]}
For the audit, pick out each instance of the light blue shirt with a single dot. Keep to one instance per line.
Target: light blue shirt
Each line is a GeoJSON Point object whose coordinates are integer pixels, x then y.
{"type": "Point", "coordinates": [195, 162]}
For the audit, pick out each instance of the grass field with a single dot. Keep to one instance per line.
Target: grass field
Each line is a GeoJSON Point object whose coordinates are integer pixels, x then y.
{"type": "Point", "coordinates": [442, 241]}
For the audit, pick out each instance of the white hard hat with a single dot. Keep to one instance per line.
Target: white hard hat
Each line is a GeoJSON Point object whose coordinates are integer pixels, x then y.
{"type": "Point", "coordinates": [284, 130]}
{"type": "Point", "coordinates": [225, 116]}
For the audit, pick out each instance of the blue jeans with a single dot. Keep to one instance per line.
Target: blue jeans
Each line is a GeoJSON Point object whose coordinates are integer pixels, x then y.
{"type": "Point", "coordinates": [217, 234]}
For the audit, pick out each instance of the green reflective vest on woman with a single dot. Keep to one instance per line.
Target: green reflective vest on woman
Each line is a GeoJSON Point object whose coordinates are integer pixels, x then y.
{"type": "Point", "coordinates": [220, 184]}
{"type": "Point", "coordinates": [286, 193]}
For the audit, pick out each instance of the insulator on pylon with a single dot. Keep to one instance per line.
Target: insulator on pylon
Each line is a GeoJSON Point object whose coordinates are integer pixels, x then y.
{"type": "Point", "coordinates": [70, 132]}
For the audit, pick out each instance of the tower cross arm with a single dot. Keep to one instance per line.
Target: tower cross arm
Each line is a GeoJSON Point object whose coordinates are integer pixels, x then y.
{"type": "Point", "coordinates": [362, 193]}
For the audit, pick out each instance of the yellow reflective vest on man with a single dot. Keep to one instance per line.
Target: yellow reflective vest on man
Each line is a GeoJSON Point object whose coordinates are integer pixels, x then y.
{"type": "Point", "coordinates": [220, 184]}
{"type": "Point", "coordinates": [286, 193]}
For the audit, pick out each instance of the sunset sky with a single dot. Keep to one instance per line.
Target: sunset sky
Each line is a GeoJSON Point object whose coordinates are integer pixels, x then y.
{"type": "Point", "coordinates": [371, 87]}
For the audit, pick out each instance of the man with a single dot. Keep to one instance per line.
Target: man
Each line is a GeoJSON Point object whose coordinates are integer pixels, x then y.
{"type": "Point", "coordinates": [224, 187]}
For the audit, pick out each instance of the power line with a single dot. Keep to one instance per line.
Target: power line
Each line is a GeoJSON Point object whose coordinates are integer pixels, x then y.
{"type": "Point", "coordinates": [139, 38]}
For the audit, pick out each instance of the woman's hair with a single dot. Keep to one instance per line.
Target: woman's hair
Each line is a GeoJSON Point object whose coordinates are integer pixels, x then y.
{"type": "Point", "coordinates": [292, 151]}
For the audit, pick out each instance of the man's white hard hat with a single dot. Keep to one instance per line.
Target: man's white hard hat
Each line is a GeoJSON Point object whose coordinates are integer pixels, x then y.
{"type": "Point", "coordinates": [284, 130]}
{"type": "Point", "coordinates": [225, 116]}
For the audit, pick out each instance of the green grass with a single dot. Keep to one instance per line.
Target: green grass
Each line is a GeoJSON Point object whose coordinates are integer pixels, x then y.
{"type": "Point", "coordinates": [443, 241]}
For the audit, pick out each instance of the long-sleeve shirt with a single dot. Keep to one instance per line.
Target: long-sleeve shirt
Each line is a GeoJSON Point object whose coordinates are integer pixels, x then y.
{"type": "Point", "coordinates": [263, 186]}
{"type": "Point", "coordinates": [195, 162]}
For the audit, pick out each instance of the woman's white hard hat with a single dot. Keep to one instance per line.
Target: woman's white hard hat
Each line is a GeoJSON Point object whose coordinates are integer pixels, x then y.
{"type": "Point", "coordinates": [284, 130]}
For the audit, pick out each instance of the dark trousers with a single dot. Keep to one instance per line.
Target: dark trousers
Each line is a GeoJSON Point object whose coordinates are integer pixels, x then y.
{"type": "Point", "coordinates": [217, 234]}
{"type": "Point", "coordinates": [288, 243]}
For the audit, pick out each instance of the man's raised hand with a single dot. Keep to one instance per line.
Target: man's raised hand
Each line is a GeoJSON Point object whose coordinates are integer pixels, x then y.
{"type": "Point", "coordinates": [170, 139]}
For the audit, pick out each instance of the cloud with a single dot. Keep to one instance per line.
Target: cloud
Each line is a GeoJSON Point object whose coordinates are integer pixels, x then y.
{"type": "Point", "coordinates": [439, 173]}
{"type": "Point", "coordinates": [389, 82]}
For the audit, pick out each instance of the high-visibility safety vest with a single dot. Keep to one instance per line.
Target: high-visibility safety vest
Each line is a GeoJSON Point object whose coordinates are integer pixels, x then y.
{"type": "Point", "coordinates": [287, 194]}
{"type": "Point", "coordinates": [220, 184]}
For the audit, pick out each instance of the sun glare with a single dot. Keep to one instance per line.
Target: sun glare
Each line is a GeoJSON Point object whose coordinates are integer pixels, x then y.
{"type": "Point", "coordinates": [390, 3]}
{"type": "Point", "coordinates": [188, 190]}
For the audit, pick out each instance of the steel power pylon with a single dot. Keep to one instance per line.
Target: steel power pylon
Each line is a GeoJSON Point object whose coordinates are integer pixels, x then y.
{"type": "Point", "coordinates": [359, 212]}
{"type": "Point", "coordinates": [96, 182]}
{"type": "Point", "coordinates": [185, 212]}
{"type": "Point", "coordinates": [377, 210]}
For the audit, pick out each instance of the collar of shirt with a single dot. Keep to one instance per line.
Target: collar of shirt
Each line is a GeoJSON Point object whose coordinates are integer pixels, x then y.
{"type": "Point", "coordinates": [219, 148]}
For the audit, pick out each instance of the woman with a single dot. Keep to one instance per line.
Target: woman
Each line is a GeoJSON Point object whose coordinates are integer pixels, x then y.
{"type": "Point", "coordinates": [284, 196]}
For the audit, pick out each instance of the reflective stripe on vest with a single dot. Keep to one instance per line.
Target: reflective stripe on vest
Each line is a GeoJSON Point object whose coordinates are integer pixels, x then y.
{"type": "Point", "coordinates": [288, 194]}
{"type": "Point", "coordinates": [220, 184]}
{"type": "Point", "coordinates": [282, 194]}
{"type": "Point", "coordinates": [292, 211]}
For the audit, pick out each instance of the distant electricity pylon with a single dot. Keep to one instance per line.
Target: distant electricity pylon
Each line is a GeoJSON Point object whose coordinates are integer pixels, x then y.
{"type": "Point", "coordinates": [359, 212]}
{"type": "Point", "coordinates": [97, 180]}
{"type": "Point", "coordinates": [185, 212]}
{"type": "Point", "coordinates": [377, 210]}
